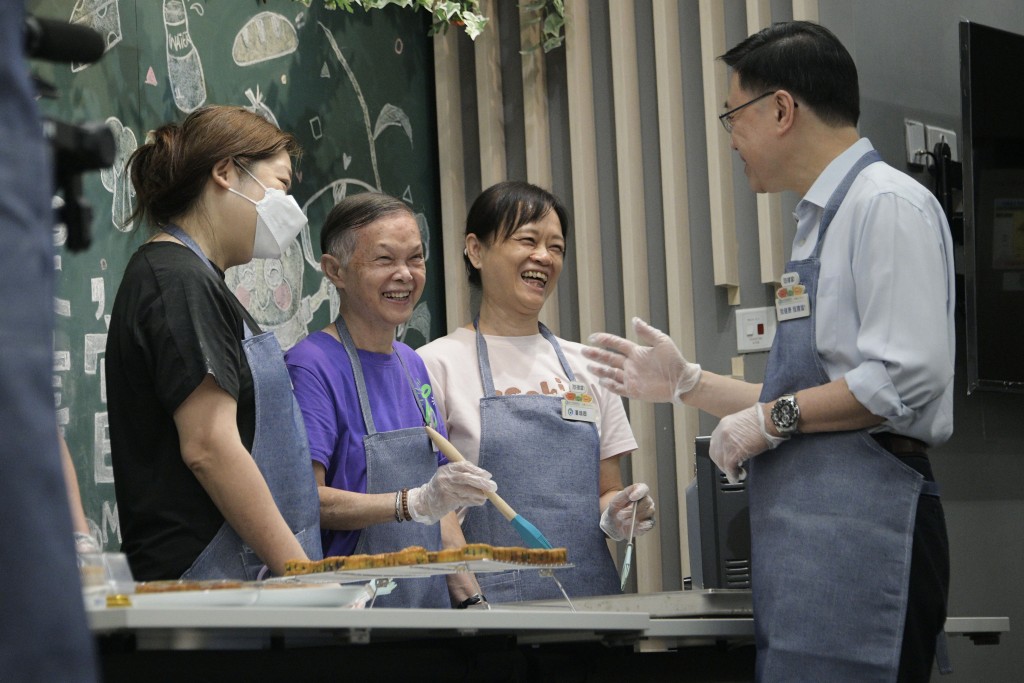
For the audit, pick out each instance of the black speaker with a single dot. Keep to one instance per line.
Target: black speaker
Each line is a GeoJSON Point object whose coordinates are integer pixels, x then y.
{"type": "Point", "coordinates": [718, 526]}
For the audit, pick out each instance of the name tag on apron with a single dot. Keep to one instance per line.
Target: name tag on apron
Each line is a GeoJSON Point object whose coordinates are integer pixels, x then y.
{"type": "Point", "coordinates": [791, 299]}
{"type": "Point", "coordinates": [578, 405]}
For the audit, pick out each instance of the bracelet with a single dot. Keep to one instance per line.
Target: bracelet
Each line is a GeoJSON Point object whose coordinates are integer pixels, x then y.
{"type": "Point", "coordinates": [398, 507]}
{"type": "Point", "coordinates": [404, 505]}
{"type": "Point", "coordinates": [475, 599]}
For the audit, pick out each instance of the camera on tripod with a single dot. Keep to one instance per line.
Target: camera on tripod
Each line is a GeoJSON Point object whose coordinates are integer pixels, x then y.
{"type": "Point", "coordinates": [76, 149]}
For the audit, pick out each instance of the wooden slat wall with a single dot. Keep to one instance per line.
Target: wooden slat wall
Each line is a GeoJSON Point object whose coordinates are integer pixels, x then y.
{"type": "Point", "coordinates": [489, 102]}
{"type": "Point", "coordinates": [452, 175]}
{"type": "Point", "coordinates": [675, 212]}
{"type": "Point", "coordinates": [538, 129]}
{"type": "Point", "coordinates": [633, 240]}
{"type": "Point", "coordinates": [583, 157]}
{"type": "Point", "coordinates": [769, 206]}
{"type": "Point", "coordinates": [720, 188]}
{"type": "Point", "coordinates": [806, 10]}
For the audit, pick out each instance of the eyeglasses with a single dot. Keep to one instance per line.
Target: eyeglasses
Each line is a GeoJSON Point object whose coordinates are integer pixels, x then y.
{"type": "Point", "coordinates": [726, 118]}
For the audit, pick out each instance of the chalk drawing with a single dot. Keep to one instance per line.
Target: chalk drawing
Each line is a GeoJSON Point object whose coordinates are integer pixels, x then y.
{"type": "Point", "coordinates": [267, 35]}
{"type": "Point", "coordinates": [102, 16]}
{"type": "Point", "coordinates": [95, 344]}
{"type": "Point", "coordinates": [390, 115]}
{"type": "Point", "coordinates": [111, 523]}
{"type": "Point", "coordinates": [184, 67]}
{"type": "Point", "coordinates": [116, 180]}
{"type": "Point", "coordinates": [103, 470]}
{"type": "Point", "coordinates": [258, 106]}
{"type": "Point", "coordinates": [98, 295]}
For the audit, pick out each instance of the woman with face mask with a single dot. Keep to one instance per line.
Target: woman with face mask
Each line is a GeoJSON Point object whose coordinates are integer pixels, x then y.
{"type": "Point", "coordinates": [210, 458]}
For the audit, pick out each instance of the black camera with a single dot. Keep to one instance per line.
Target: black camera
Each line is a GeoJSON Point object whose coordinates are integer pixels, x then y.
{"type": "Point", "coordinates": [76, 149]}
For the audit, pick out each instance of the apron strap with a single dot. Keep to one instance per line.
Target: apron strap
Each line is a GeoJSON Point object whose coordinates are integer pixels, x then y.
{"type": "Point", "coordinates": [839, 194]}
{"type": "Point", "coordinates": [186, 239]}
{"type": "Point", "coordinates": [485, 363]}
{"type": "Point", "coordinates": [357, 374]}
{"type": "Point", "coordinates": [942, 654]}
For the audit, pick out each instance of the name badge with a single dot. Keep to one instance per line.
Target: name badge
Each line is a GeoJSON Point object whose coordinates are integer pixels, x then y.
{"type": "Point", "coordinates": [791, 299]}
{"type": "Point", "coordinates": [578, 405]}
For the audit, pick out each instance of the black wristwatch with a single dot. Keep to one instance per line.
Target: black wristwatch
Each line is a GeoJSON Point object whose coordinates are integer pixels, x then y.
{"type": "Point", "coordinates": [786, 415]}
{"type": "Point", "coordinates": [471, 600]}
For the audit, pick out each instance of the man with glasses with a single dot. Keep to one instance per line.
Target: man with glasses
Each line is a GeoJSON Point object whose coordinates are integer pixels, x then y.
{"type": "Point", "coordinates": [850, 562]}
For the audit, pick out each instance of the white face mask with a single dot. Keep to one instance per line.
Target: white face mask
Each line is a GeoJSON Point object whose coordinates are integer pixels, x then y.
{"type": "Point", "coordinates": [278, 220]}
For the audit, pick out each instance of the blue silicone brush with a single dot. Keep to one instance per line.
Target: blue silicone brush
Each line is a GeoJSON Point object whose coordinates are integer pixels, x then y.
{"type": "Point", "coordinates": [530, 534]}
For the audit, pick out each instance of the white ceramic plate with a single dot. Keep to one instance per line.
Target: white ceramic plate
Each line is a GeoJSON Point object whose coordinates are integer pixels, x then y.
{"type": "Point", "coordinates": [223, 597]}
{"type": "Point", "coordinates": [313, 596]}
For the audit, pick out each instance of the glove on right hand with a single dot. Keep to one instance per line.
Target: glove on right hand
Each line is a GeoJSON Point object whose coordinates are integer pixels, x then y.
{"type": "Point", "coordinates": [657, 372]}
{"type": "Point", "coordinates": [457, 484]}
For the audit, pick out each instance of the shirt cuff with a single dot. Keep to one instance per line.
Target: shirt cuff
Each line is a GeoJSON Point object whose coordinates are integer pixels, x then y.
{"type": "Point", "coordinates": [871, 385]}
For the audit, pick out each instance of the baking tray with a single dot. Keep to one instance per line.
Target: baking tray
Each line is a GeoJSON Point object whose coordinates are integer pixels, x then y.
{"type": "Point", "coordinates": [418, 571]}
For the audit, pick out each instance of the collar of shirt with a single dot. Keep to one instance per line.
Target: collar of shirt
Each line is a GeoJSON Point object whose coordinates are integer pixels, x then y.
{"type": "Point", "coordinates": [808, 211]}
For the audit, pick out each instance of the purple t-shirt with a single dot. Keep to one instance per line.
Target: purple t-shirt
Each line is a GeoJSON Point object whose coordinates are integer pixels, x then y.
{"type": "Point", "coordinates": [326, 391]}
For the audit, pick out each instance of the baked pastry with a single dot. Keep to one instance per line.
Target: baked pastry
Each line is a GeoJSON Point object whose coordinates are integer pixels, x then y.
{"type": "Point", "coordinates": [180, 585]}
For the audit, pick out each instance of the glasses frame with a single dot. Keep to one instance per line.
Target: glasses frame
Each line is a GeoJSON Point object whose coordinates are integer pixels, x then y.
{"type": "Point", "coordinates": [726, 118]}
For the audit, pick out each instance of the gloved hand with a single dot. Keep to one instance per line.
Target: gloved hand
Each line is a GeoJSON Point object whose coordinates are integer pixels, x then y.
{"type": "Point", "coordinates": [657, 372]}
{"type": "Point", "coordinates": [738, 438]}
{"type": "Point", "coordinates": [618, 516]}
{"type": "Point", "coordinates": [457, 484]}
{"type": "Point", "coordinates": [85, 543]}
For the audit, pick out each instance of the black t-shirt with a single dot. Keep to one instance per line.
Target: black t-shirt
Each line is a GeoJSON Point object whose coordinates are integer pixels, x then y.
{"type": "Point", "coordinates": [174, 321]}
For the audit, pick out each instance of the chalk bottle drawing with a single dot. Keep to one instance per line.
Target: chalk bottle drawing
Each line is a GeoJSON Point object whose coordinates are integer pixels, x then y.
{"type": "Point", "coordinates": [184, 69]}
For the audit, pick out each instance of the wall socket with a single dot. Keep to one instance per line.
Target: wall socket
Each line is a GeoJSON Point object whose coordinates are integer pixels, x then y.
{"type": "Point", "coordinates": [914, 134]}
{"type": "Point", "coordinates": [933, 135]}
{"type": "Point", "coordinates": [755, 329]}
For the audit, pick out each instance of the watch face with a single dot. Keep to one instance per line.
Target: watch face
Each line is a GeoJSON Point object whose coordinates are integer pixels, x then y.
{"type": "Point", "coordinates": [784, 414]}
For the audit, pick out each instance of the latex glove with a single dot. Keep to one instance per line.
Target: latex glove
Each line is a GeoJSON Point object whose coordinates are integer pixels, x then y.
{"type": "Point", "coordinates": [455, 485]}
{"type": "Point", "coordinates": [618, 516]}
{"type": "Point", "coordinates": [655, 372]}
{"type": "Point", "coordinates": [738, 438]}
{"type": "Point", "coordinates": [85, 543]}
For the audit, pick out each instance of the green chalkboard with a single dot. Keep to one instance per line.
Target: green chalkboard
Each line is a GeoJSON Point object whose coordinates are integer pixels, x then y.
{"type": "Point", "coordinates": [357, 91]}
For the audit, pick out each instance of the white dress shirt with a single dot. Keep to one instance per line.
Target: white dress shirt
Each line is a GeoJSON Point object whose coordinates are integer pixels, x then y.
{"type": "Point", "coordinates": [886, 294]}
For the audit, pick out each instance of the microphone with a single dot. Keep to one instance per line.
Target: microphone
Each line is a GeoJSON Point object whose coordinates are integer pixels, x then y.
{"type": "Point", "coordinates": [60, 41]}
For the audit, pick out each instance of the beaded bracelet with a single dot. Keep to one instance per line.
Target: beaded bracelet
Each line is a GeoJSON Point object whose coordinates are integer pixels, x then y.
{"type": "Point", "coordinates": [405, 505]}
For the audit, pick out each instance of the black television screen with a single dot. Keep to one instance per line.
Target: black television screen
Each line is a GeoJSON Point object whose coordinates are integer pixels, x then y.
{"type": "Point", "coordinates": [991, 73]}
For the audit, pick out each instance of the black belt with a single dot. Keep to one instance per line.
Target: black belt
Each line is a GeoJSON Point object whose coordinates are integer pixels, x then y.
{"type": "Point", "coordinates": [900, 445]}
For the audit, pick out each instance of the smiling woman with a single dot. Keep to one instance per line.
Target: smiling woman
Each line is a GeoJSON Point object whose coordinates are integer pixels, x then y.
{"type": "Point", "coordinates": [365, 398]}
{"type": "Point", "coordinates": [513, 407]}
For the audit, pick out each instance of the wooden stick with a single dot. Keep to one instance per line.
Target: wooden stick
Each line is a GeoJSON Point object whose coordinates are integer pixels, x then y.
{"type": "Point", "coordinates": [453, 455]}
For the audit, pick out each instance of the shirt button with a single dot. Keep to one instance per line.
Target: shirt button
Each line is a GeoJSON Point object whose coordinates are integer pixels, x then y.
{"type": "Point", "coordinates": [800, 243]}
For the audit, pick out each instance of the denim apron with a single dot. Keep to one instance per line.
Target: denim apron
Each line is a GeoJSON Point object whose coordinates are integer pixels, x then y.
{"type": "Point", "coordinates": [281, 452]}
{"type": "Point", "coordinates": [401, 458]}
{"type": "Point", "coordinates": [831, 520]}
{"type": "Point", "coordinates": [547, 468]}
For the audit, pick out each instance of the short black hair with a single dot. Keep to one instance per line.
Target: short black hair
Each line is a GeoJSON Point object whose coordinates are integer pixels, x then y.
{"type": "Point", "coordinates": [805, 59]}
{"type": "Point", "coordinates": [502, 209]}
{"type": "Point", "coordinates": [338, 235]}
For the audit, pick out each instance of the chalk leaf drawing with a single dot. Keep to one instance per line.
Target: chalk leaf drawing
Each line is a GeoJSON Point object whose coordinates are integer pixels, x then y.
{"type": "Point", "coordinates": [267, 35]}
{"type": "Point", "coordinates": [390, 115]}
